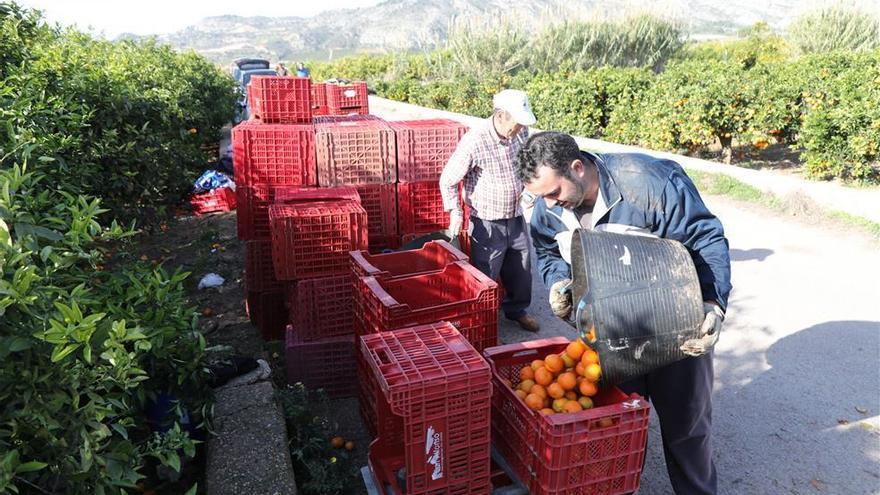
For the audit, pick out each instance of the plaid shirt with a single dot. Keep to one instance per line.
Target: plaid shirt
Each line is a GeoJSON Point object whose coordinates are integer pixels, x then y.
{"type": "Point", "coordinates": [485, 163]}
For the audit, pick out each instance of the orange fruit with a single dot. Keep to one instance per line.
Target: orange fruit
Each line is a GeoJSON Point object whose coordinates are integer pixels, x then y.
{"type": "Point", "coordinates": [547, 411]}
{"type": "Point", "coordinates": [567, 380]}
{"type": "Point", "coordinates": [606, 422]}
{"type": "Point", "coordinates": [569, 362]}
{"type": "Point", "coordinates": [554, 364]}
{"type": "Point", "coordinates": [526, 385]}
{"type": "Point", "coordinates": [349, 445]}
{"type": "Point", "coordinates": [591, 335]}
{"type": "Point", "coordinates": [588, 388]}
{"type": "Point", "coordinates": [555, 390]}
{"type": "Point", "coordinates": [579, 369]}
{"type": "Point", "coordinates": [590, 357]}
{"type": "Point", "coordinates": [538, 389]}
{"type": "Point", "coordinates": [527, 373]}
{"type": "Point", "coordinates": [559, 404]}
{"type": "Point", "coordinates": [207, 312]}
{"type": "Point", "coordinates": [534, 402]}
{"type": "Point", "coordinates": [575, 349]}
{"type": "Point", "coordinates": [586, 402]}
{"type": "Point", "coordinates": [593, 372]}
{"type": "Point", "coordinates": [337, 442]}
{"type": "Point", "coordinates": [573, 406]}
{"type": "Point", "coordinates": [521, 394]}
{"type": "Point", "coordinates": [571, 395]}
{"type": "Point", "coordinates": [537, 364]}
{"type": "Point", "coordinates": [543, 377]}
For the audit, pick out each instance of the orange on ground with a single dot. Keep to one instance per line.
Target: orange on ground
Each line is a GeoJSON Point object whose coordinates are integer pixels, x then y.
{"type": "Point", "coordinates": [349, 445]}
{"type": "Point", "coordinates": [554, 363]}
{"type": "Point", "coordinates": [576, 349]}
{"type": "Point", "coordinates": [588, 388]}
{"type": "Point", "coordinates": [526, 385]}
{"type": "Point", "coordinates": [593, 372]}
{"type": "Point", "coordinates": [537, 364]}
{"type": "Point", "coordinates": [527, 373]}
{"type": "Point", "coordinates": [538, 389]}
{"type": "Point", "coordinates": [573, 406]}
{"type": "Point", "coordinates": [567, 380]}
{"type": "Point", "coordinates": [555, 390]}
{"type": "Point", "coordinates": [337, 442]}
{"type": "Point", "coordinates": [543, 376]}
{"type": "Point", "coordinates": [559, 404]}
{"type": "Point", "coordinates": [586, 402]}
{"type": "Point", "coordinates": [534, 402]}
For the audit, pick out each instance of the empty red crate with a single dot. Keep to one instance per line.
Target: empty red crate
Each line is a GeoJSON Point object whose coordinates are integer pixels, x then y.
{"type": "Point", "coordinates": [460, 294]}
{"type": "Point", "coordinates": [253, 211]}
{"type": "Point", "coordinates": [266, 312]}
{"type": "Point", "coordinates": [380, 203]}
{"type": "Point", "coordinates": [319, 99]}
{"type": "Point", "coordinates": [432, 257]}
{"type": "Point", "coordinates": [313, 239]}
{"type": "Point", "coordinates": [599, 450]}
{"type": "Point", "coordinates": [274, 154]}
{"type": "Point", "coordinates": [290, 195]}
{"type": "Point", "coordinates": [424, 147]}
{"type": "Point", "coordinates": [321, 307]}
{"type": "Point", "coordinates": [259, 274]}
{"type": "Point", "coordinates": [221, 199]}
{"type": "Point", "coordinates": [280, 99]}
{"type": "Point", "coordinates": [355, 152]}
{"type": "Point", "coordinates": [326, 364]}
{"type": "Point", "coordinates": [347, 98]}
{"type": "Point", "coordinates": [432, 409]}
{"type": "Point", "coordinates": [420, 207]}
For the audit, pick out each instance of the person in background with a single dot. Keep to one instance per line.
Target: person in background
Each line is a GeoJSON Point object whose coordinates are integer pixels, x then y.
{"type": "Point", "coordinates": [484, 163]}
{"type": "Point", "coordinates": [301, 70]}
{"type": "Point", "coordinates": [281, 69]}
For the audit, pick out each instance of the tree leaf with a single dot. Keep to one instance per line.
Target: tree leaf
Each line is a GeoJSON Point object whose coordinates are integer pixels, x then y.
{"type": "Point", "coordinates": [30, 467]}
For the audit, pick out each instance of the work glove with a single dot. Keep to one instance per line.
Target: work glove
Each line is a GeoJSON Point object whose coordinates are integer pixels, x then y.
{"type": "Point", "coordinates": [456, 220]}
{"type": "Point", "coordinates": [560, 298]}
{"type": "Point", "coordinates": [709, 331]}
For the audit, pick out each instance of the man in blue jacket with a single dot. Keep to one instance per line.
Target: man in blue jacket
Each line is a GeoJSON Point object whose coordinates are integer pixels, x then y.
{"type": "Point", "coordinates": [641, 195]}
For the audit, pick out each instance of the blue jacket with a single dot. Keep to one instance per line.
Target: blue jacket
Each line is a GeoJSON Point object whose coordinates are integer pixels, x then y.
{"type": "Point", "coordinates": [643, 195]}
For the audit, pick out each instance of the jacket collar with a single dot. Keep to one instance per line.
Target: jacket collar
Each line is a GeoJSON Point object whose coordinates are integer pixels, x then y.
{"type": "Point", "coordinates": [607, 188]}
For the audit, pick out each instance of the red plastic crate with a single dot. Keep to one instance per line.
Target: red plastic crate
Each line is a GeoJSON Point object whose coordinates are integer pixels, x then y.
{"type": "Point", "coordinates": [432, 408]}
{"type": "Point", "coordinates": [221, 199]}
{"type": "Point", "coordinates": [319, 99]}
{"type": "Point", "coordinates": [566, 453]}
{"type": "Point", "coordinates": [280, 99]}
{"type": "Point", "coordinates": [266, 312]}
{"type": "Point", "coordinates": [347, 98]}
{"type": "Point", "coordinates": [291, 195]}
{"type": "Point", "coordinates": [274, 154]}
{"type": "Point", "coordinates": [355, 152]}
{"type": "Point", "coordinates": [380, 203]}
{"type": "Point", "coordinates": [326, 364]}
{"type": "Point", "coordinates": [460, 294]}
{"type": "Point", "coordinates": [321, 307]}
{"type": "Point", "coordinates": [313, 239]}
{"type": "Point", "coordinates": [253, 211]}
{"type": "Point", "coordinates": [432, 257]}
{"type": "Point", "coordinates": [331, 119]}
{"type": "Point", "coordinates": [420, 207]}
{"type": "Point", "coordinates": [259, 274]}
{"type": "Point", "coordinates": [384, 244]}
{"type": "Point", "coordinates": [424, 147]}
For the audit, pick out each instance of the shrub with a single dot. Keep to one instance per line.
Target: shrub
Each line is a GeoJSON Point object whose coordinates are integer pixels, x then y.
{"type": "Point", "coordinates": [833, 29]}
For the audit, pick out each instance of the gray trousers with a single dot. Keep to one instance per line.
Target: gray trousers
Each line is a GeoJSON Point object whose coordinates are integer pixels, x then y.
{"type": "Point", "coordinates": [500, 249]}
{"type": "Point", "coordinates": [681, 393]}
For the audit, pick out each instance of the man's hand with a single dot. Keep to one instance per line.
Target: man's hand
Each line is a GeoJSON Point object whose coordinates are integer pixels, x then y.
{"type": "Point", "coordinates": [560, 298]}
{"type": "Point", "coordinates": [456, 220]}
{"type": "Point", "coordinates": [709, 331]}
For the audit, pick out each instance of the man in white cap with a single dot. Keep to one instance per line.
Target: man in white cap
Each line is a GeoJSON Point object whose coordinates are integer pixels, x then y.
{"type": "Point", "coordinates": [484, 163]}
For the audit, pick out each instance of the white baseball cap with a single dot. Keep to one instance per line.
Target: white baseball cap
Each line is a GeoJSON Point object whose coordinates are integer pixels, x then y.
{"type": "Point", "coordinates": [516, 103]}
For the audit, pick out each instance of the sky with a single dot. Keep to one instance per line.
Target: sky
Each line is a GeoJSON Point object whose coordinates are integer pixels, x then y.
{"type": "Point", "coordinates": [114, 17]}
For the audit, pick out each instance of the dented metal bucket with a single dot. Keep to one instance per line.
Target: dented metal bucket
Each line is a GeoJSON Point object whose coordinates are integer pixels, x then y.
{"type": "Point", "coordinates": [641, 297]}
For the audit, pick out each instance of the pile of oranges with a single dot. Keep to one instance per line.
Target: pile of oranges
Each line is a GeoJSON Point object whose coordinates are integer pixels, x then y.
{"type": "Point", "coordinates": [561, 383]}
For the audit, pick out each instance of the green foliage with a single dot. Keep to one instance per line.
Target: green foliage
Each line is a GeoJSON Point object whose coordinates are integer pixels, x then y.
{"type": "Point", "coordinates": [123, 121]}
{"type": "Point", "coordinates": [320, 469]}
{"type": "Point", "coordinates": [835, 28]}
{"type": "Point", "coordinates": [486, 50]}
{"type": "Point", "coordinates": [758, 45]}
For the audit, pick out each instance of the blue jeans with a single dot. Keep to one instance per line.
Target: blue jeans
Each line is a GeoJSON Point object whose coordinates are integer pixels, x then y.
{"type": "Point", "coordinates": [500, 249]}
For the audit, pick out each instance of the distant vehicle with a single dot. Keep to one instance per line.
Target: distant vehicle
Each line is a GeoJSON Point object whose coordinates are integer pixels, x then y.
{"type": "Point", "coordinates": [242, 64]}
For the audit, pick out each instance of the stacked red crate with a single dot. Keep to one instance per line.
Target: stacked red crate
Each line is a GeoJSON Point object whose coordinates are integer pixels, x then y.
{"type": "Point", "coordinates": [280, 100]}
{"type": "Point", "coordinates": [216, 200]}
{"type": "Point", "coordinates": [431, 391]}
{"type": "Point", "coordinates": [326, 364]}
{"type": "Point", "coordinates": [346, 99]}
{"type": "Point", "coordinates": [319, 99]}
{"type": "Point", "coordinates": [355, 152]}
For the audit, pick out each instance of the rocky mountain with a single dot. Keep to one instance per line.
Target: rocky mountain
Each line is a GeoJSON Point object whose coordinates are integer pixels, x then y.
{"type": "Point", "coordinates": [419, 24]}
